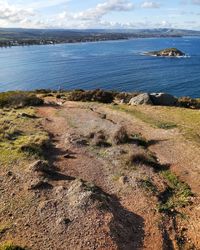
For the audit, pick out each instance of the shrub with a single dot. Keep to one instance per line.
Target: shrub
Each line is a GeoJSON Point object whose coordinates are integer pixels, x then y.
{"type": "Point", "coordinates": [148, 185]}
{"type": "Point", "coordinates": [92, 96]}
{"type": "Point", "coordinates": [10, 246]}
{"type": "Point", "coordinates": [177, 194]}
{"type": "Point", "coordinates": [43, 91]}
{"type": "Point", "coordinates": [19, 99]}
{"type": "Point", "coordinates": [188, 102]}
{"type": "Point", "coordinates": [33, 145]}
{"type": "Point", "coordinates": [120, 136]}
{"type": "Point", "coordinates": [149, 160]}
{"type": "Point", "coordinates": [126, 97]}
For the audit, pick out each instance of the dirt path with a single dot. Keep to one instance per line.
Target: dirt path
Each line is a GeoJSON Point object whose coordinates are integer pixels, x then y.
{"type": "Point", "coordinates": [70, 123]}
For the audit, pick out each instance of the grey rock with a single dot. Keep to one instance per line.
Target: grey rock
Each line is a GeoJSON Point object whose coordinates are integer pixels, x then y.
{"type": "Point", "coordinates": [163, 99]}
{"type": "Point", "coordinates": [39, 166]}
{"type": "Point", "coordinates": [142, 99]}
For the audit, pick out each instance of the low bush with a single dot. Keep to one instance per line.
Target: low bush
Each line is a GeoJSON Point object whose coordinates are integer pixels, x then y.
{"type": "Point", "coordinates": [177, 194]}
{"type": "Point", "coordinates": [34, 145]}
{"type": "Point", "coordinates": [149, 160]}
{"type": "Point", "coordinates": [120, 136]}
{"type": "Point", "coordinates": [10, 246]}
{"type": "Point", "coordinates": [126, 97]}
{"type": "Point", "coordinates": [19, 99]}
{"type": "Point", "coordinates": [92, 96]}
{"type": "Point", "coordinates": [187, 102]}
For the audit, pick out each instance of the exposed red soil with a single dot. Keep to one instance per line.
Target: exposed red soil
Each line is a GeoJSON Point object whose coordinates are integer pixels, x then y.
{"type": "Point", "coordinates": [66, 216]}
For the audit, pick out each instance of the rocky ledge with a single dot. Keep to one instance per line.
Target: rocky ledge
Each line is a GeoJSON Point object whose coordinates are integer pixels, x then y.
{"type": "Point", "coordinates": [169, 52]}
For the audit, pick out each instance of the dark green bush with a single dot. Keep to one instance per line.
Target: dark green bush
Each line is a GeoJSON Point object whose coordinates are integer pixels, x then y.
{"type": "Point", "coordinates": [188, 102]}
{"type": "Point", "coordinates": [92, 96]}
{"type": "Point", "coordinates": [19, 99]}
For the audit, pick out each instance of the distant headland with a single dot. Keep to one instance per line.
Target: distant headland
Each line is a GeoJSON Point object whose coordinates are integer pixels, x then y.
{"type": "Point", "coordinates": [23, 37]}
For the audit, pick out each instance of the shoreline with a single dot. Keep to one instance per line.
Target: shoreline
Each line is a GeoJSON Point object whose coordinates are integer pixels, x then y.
{"type": "Point", "coordinates": [22, 43]}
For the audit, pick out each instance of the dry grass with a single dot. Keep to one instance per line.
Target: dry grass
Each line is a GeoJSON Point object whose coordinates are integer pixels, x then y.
{"type": "Point", "coordinates": [20, 135]}
{"type": "Point", "coordinates": [145, 117]}
{"type": "Point", "coordinates": [186, 120]}
{"type": "Point", "coordinates": [19, 99]}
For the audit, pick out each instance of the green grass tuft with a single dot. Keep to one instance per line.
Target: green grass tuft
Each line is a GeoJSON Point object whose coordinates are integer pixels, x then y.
{"type": "Point", "coordinates": [10, 246]}
{"type": "Point", "coordinates": [178, 194]}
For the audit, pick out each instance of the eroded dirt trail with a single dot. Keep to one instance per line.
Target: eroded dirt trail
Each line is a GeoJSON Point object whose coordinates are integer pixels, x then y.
{"type": "Point", "coordinates": [135, 222]}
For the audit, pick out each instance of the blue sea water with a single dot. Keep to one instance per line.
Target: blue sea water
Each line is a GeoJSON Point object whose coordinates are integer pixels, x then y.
{"type": "Point", "coordinates": [116, 65]}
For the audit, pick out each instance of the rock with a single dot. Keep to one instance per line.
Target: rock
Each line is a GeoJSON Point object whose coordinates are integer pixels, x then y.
{"type": "Point", "coordinates": [9, 173]}
{"type": "Point", "coordinates": [39, 184]}
{"type": "Point", "coordinates": [169, 52]}
{"type": "Point", "coordinates": [63, 221]}
{"type": "Point", "coordinates": [163, 99]}
{"type": "Point", "coordinates": [141, 100]}
{"type": "Point", "coordinates": [39, 166]}
{"type": "Point", "coordinates": [123, 180]}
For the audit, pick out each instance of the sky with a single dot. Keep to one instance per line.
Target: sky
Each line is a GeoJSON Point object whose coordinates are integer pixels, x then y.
{"type": "Point", "coordinates": [95, 14]}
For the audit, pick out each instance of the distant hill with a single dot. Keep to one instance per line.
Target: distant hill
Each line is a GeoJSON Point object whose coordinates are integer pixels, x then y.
{"type": "Point", "coordinates": [18, 36]}
{"type": "Point", "coordinates": [17, 33]}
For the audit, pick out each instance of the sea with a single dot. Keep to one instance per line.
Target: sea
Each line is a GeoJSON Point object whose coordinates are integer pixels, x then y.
{"type": "Point", "coordinates": [111, 65]}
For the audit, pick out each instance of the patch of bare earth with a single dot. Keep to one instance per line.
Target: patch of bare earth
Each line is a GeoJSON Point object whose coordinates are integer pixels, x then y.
{"type": "Point", "coordinates": [94, 194]}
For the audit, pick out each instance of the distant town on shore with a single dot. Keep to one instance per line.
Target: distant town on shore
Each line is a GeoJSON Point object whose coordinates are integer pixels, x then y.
{"type": "Point", "coordinates": [24, 37]}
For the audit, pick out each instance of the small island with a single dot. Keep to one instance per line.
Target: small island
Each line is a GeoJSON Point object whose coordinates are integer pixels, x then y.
{"type": "Point", "coordinates": [169, 52]}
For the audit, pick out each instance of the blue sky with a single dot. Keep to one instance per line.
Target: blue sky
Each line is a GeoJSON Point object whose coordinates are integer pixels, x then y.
{"type": "Point", "coordinates": [100, 14]}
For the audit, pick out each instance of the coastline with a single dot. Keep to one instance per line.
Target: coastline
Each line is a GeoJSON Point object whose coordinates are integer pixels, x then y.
{"type": "Point", "coordinates": [23, 43]}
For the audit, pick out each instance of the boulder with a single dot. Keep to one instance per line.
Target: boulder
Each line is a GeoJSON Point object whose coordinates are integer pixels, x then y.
{"type": "Point", "coordinates": [39, 166]}
{"type": "Point", "coordinates": [163, 99]}
{"type": "Point", "coordinates": [142, 99]}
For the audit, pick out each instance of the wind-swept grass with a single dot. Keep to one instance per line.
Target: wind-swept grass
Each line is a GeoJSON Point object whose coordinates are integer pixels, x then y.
{"type": "Point", "coordinates": [147, 118]}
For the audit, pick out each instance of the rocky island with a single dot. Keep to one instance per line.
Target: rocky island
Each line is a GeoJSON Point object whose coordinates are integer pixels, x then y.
{"type": "Point", "coordinates": [169, 52]}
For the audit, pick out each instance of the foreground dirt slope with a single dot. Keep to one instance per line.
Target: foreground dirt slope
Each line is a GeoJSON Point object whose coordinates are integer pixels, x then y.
{"type": "Point", "coordinates": [103, 189]}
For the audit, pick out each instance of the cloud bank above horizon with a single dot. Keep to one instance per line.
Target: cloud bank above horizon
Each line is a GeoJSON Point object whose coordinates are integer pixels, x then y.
{"type": "Point", "coordinates": [96, 14]}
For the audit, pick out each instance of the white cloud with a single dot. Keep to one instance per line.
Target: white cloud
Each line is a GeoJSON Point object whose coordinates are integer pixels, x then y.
{"type": "Point", "coordinates": [41, 4]}
{"type": "Point", "coordinates": [150, 5]}
{"type": "Point", "coordinates": [12, 14]}
{"type": "Point", "coordinates": [99, 10]}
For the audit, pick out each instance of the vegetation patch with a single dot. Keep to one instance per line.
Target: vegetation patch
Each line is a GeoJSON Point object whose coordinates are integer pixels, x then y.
{"type": "Point", "coordinates": [4, 228]}
{"type": "Point", "coordinates": [144, 117]}
{"type": "Point", "coordinates": [148, 185]}
{"type": "Point", "coordinates": [177, 194]}
{"type": "Point", "coordinates": [120, 136]}
{"type": "Point", "coordinates": [147, 160]}
{"type": "Point", "coordinates": [187, 102]}
{"type": "Point", "coordinates": [97, 95]}
{"type": "Point", "coordinates": [22, 136]}
{"type": "Point", "coordinates": [10, 246]}
{"type": "Point", "coordinates": [139, 140]}
{"type": "Point", "coordinates": [33, 144]}
{"type": "Point", "coordinates": [19, 99]}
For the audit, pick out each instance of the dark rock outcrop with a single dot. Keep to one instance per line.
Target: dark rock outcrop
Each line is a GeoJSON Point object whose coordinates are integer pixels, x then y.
{"type": "Point", "coordinates": [163, 99]}
{"type": "Point", "coordinates": [170, 52]}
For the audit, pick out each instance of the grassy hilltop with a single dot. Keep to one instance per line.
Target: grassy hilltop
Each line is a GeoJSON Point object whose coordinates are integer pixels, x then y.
{"type": "Point", "coordinates": [79, 164]}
